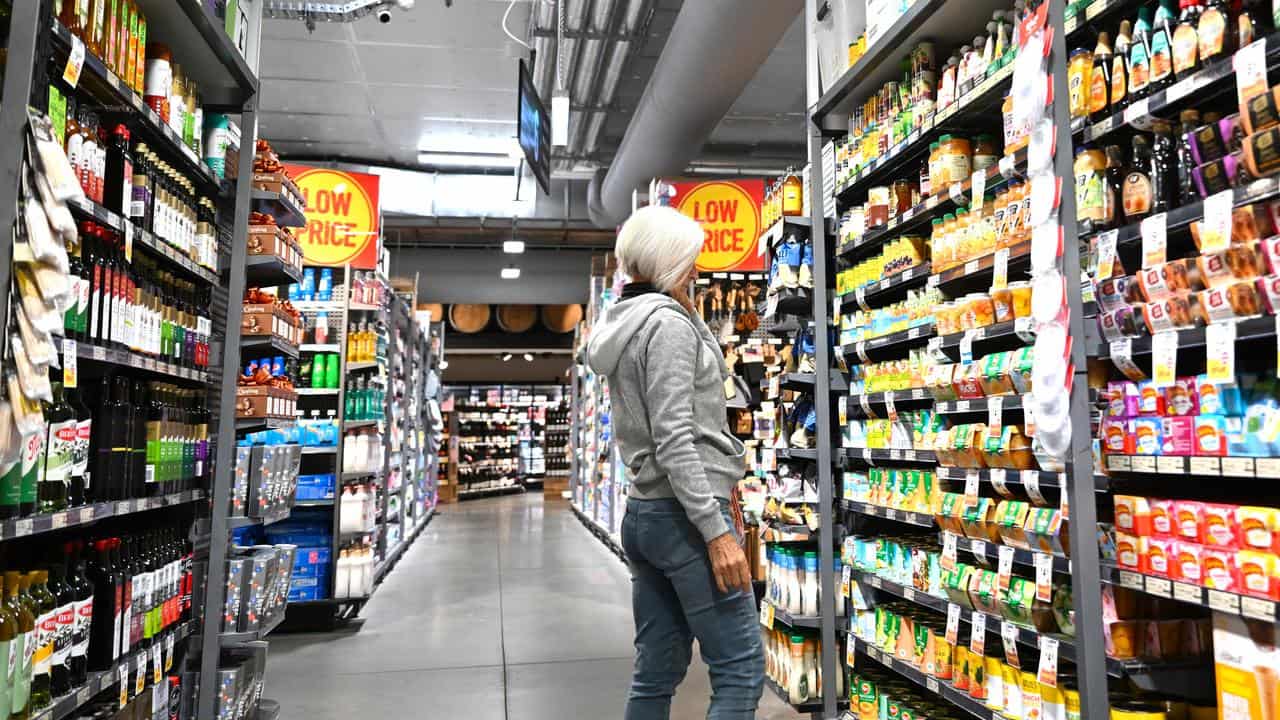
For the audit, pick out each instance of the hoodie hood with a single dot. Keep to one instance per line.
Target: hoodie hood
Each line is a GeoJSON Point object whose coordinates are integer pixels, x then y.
{"type": "Point", "coordinates": [621, 322]}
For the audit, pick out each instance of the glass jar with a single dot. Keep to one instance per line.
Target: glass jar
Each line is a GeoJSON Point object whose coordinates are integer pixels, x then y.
{"type": "Point", "coordinates": [985, 152]}
{"type": "Point", "coordinates": [955, 158]}
{"type": "Point", "coordinates": [1079, 69]}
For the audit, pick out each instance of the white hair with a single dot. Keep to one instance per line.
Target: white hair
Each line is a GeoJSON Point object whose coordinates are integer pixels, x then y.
{"type": "Point", "coordinates": [659, 244]}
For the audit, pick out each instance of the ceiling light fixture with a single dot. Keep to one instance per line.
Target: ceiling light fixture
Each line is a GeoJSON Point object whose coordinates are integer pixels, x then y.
{"type": "Point", "coordinates": [560, 119]}
{"type": "Point", "coordinates": [467, 160]}
{"type": "Point", "coordinates": [513, 247]}
{"type": "Point", "coordinates": [506, 357]}
{"type": "Point", "coordinates": [528, 357]}
{"type": "Point", "coordinates": [510, 273]}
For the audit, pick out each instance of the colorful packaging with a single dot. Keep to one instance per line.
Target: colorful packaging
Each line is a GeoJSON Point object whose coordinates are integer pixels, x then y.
{"type": "Point", "coordinates": [1187, 567]}
{"type": "Point", "coordinates": [1118, 438]}
{"type": "Point", "coordinates": [1133, 514]}
{"type": "Point", "coordinates": [1147, 436]}
{"type": "Point", "coordinates": [1162, 518]}
{"type": "Point", "coordinates": [1161, 554]}
{"type": "Point", "coordinates": [1218, 527]}
{"type": "Point", "coordinates": [1256, 527]}
{"type": "Point", "coordinates": [1218, 569]}
{"type": "Point", "coordinates": [1210, 435]}
{"type": "Point", "coordinates": [1122, 399]}
{"type": "Point", "coordinates": [1244, 670]}
{"type": "Point", "coordinates": [1188, 518]}
{"type": "Point", "coordinates": [1130, 550]}
{"type": "Point", "coordinates": [1256, 572]}
{"type": "Point", "coordinates": [1181, 398]}
{"type": "Point", "coordinates": [1150, 399]}
{"type": "Point", "coordinates": [1178, 436]}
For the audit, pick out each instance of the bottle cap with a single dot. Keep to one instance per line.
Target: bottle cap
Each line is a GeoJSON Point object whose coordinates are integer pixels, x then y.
{"type": "Point", "coordinates": [122, 132]}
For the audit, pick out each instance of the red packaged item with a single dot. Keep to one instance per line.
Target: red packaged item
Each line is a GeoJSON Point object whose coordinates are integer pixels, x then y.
{"type": "Point", "coordinates": [1256, 527]}
{"type": "Point", "coordinates": [1181, 397]}
{"type": "Point", "coordinates": [1177, 436]}
{"type": "Point", "coordinates": [1188, 516]}
{"type": "Point", "coordinates": [1218, 526]}
{"type": "Point", "coordinates": [1161, 555]}
{"type": "Point", "coordinates": [1162, 518]}
{"type": "Point", "coordinates": [1117, 437]}
{"type": "Point", "coordinates": [1168, 314]}
{"type": "Point", "coordinates": [1163, 281]}
{"type": "Point", "coordinates": [1218, 569]}
{"type": "Point", "coordinates": [1133, 514]}
{"type": "Point", "coordinates": [1269, 290]}
{"type": "Point", "coordinates": [1256, 573]}
{"type": "Point", "coordinates": [1186, 565]}
{"type": "Point", "coordinates": [1130, 551]}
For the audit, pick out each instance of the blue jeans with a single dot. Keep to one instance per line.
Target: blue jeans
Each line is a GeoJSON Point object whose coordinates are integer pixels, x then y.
{"type": "Point", "coordinates": [675, 599]}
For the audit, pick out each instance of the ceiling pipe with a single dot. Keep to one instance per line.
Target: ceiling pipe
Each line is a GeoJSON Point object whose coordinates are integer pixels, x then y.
{"type": "Point", "coordinates": [586, 80]}
{"type": "Point", "coordinates": [692, 88]}
{"type": "Point", "coordinates": [632, 20]}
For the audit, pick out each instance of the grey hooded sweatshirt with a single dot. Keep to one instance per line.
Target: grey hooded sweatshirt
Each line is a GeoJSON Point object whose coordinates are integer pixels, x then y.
{"type": "Point", "coordinates": [666, 385]}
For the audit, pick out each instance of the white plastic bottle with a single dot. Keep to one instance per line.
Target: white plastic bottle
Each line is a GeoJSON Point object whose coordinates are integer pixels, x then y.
{"type": "Point", "coordinates": [810, 590]}
{"type": "Point", "coordinates": [342, 575]}
{"type": "Point", "coordinates": [795, 590]}
{"type": "Point", "coordinates": [798, 681]}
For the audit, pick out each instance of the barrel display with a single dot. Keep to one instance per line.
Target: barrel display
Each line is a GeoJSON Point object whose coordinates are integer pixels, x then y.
{"type": "Point", "coordinates": [561, 318]}
{"type": "Point", "coordinates": [468, 319]}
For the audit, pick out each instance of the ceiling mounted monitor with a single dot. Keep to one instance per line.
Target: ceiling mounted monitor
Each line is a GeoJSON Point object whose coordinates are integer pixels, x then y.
{"type": "Point", "coordinates": [534, 130]}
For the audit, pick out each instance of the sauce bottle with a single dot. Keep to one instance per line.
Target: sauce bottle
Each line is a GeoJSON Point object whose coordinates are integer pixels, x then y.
{"type": "Point", "coordinates": [1140, 56]}
{"type": "Point", "coordinates": [1250, 23]}
{"type": "Point", "coordinates": [1120, 68]}
{"type": "Point", "coordinates": [1163, 171]}
{"type": "Point", "coordinates": [1078, 82]}
{"type": "Point", "coordinates": [1190, 120]}
{"type": "Point", "coordinates": [118, 184]}
{"type": "Point", "coordinates": [8, 638]}
{"type": "Point", "coordinates": [1162, 47]}
{"type": "Point", "coordinates": [1114, 192]}
{"type": "Point", "coordinates": [1137, 195]}
{"type": "Point", "coordinates": [69, 16]}
{"type": "Point", "coordinates": [1216, 40]}
{"type": "Point", "coordinates": [1186, 39]}
{"type": "Point", "coordinates": [1100, 79]}
{"type": "Point", "coordinates": [23, 647]}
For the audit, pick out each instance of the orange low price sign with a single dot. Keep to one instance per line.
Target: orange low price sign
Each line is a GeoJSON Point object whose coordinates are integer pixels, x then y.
{"type": "Point", "coordinates": [729, 212]}
{"type": "Point", "coordinates": [343, 217]}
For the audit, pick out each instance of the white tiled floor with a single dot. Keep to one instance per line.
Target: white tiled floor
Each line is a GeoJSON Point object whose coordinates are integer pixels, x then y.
{"type": "Point", "coordinates": [503, 609]}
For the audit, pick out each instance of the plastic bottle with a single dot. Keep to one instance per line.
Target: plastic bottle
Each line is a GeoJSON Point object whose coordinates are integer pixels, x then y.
{"type": "Point", "coordinates": [798, 687]}
{"type": "Point", "coordinates": [1119, 74]}
{"type": "Point", "coordinates": [1140, 56]}
{"type": "Point", "coordinates": [1216, 38]}
{"type": "Point", "coordinates": [342, 576]}
{"type": "Point", "coordinates": [1162, 46]}
{"type": "Point", "coordinates": [810, 590]}
{"type": "Point", "coordinates": [324, 289]}
{"type": "Point", "coordinates": [332, 366]}
{"type": "Point", "coordinates": [308, 289]}
{"type": "Point", "coordinates": [23, 647]}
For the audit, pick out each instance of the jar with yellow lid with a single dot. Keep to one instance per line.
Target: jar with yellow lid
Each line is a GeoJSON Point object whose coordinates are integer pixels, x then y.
{"type": "Point", "coordinates": [792, 196]}
{"type": "Point", "coordinates": [1079, 68]}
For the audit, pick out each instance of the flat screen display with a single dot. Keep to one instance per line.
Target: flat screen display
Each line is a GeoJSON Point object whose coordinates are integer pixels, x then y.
{"type": "Point", "coordinates": [534, 127]}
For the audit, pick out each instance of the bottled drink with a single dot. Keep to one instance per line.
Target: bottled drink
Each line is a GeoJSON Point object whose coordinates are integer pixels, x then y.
{"type": "Point", "coordinates": [108, 607]}
{"type": "Point", "coordinates": [64, 630]}
{"type": "Point", "coordinates": [8, 647]}
{"type": "Point", "coordinates": [1214, 33]}
{"type": "Point", "coordinates": [118, 186]}
{"type": "Point", "coordinates": [59, 452]}
{"type": "Point", "coordinates": [1190, 120]}
{"type": "Point", "coordinates": [154, 452]}
{"type": "Point", "coordinates": [32, 469]}
{"type": "Point", "coordinates": [1138, 196]}
{"type": "Point", "coordinates": [79, 489]}
{"type": "Point", "coordinates": [11, 489]}
{"type": "Point", "coordinates": [83, 593]}
{"type": "Point", "coordinates": [1186, 56]}
{"type": "Point", "coordinates": [1100, 79]}
{"type": "Point", "coordinates": [1140, 56]}
{"type": "Point", "coordinates": [19, 603]}
{"type": "Point", "coordinates": [46, 631]}
{"type": "Point", "coordinates": [1163, 172]}
{"type": "Point", "coordinates": [1162, 47]}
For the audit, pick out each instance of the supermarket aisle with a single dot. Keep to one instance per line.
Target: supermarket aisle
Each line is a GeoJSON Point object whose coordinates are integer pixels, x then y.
{"type": "Point", "coordinates": [502, 610]}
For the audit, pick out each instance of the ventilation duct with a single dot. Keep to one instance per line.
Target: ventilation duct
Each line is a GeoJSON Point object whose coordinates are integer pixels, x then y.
{"type": "Point", "coordinates": [332, 12]}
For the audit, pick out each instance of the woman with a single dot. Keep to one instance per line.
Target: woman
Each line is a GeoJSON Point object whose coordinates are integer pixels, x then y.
{"type": "Point", "coordinates": [690, 578]}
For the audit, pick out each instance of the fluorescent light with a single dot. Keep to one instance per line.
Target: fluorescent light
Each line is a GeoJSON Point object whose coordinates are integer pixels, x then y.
{"type": "Point", "coordinates": [506, 357]}
{"type": "Point", "coordinates": [467, 160]}
{"type": "Point", "coordinates": [510, 273]}
{"type": "Point", "coordinates": [513, 247]}
{"type": "Point", "coordinates": [560, 119]}
{"type": "Point", "coordinates": [528, 357]}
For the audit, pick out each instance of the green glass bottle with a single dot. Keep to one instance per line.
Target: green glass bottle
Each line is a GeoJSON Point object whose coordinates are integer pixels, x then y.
{"type": "Point", "coordinates": [18, 602]}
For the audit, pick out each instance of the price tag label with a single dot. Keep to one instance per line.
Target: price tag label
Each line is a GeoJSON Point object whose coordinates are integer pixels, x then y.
{"type": "Point", "coordinates": [1159, 586]}
{"type": "Point", "coordinates": [1044, 577]}
{"type": "Point", "coordinates": [995, 415]}
{"type": "Point", "coordinates": [128, 240]}
{"type": "Point", "coordinates": [846, 580]}
{"type": "Point", "coordinates": [1224, 602]}
{"type": "Point", "coordinates": [948, 561]}
{"type": "Point", "coordinates": [1031, 481]}
{"type": "Point", "coordinates": [931, 684]}
{"type": "Point", "coordinates": [766, 615]}
{"type": "Point", "coordinates": [1000, 269]}
{"type": "Point", "coordinates": [1155, 239]}
{"type": "Point", "coordinates": [23, 527]}
{"type": "Point", "coordinates": [157, 663]}
{"type": "Point", "coordinates": [70, 373]}
{"type": "Point", "coordinates": [1183, 592]}
{"type": "Point", "coordinates": [953, 623]}
{"type": "Point", "coordinates": [122, 679]}
{"type": "Point", "coordinates": [1004, 567]}
{"type": "Point", "coordinates": [860, 296]}
{"type": "Point", "coordinates": [58, 520]}
{"type": "Point", "coordinates": [893, 410]}
{"type": "Point", "coordinates": [998, 482]}
{"type": "Point", "coordinates": [1137, 111]}
{"type": "Point", "coordinates": [979, 550]}
{"type": "Point", "coordinates": [1258, 609]}
{"type": "Point", "coordinates": [971, 478]}
{"type": "Point", "coordinates": [850, 650]}
{"type": "Point", "coordinates": [75, 62]}
{"type": "Point", "coordinates": [966, 345]}
{"type": "Point", "coordinates": [909, 593]}
{"type": "Point", "coordinates": [972, 266]}
{"type": "Point", "coordinates": [1221, 352]}
{"type": "Point", "coordinates": [1215, 228]}
{"type": "Point", "coordinates": [1007, 167]}
{"type": "Point", "coordinates": [811, 519]}
{"type": "Point", "coordinates": [140, 671]}
{"type": "Point", "coordinates": [842, 409]}
{"type": "Point", "coordinates": [1048, 672]}
{"type": "Point", "coordinates": [1121, 353]}
{"type": "Point", "coordinates": [168, 652]}
{"type": "Point", "coordinates": [1009, 637]}
{"type": "Point", "coordinates": [1250, 64]}
{"type": "Point", "coordinates": [957, 192]}
{"type": "Point", "coordinates": [978, 188]}
{"type": "Point", "coordinates": [1106, 254]}
{"type": "Point", "coordinates": [978, 634]}
{"type": "Point", "coordinates": [1164, 358]}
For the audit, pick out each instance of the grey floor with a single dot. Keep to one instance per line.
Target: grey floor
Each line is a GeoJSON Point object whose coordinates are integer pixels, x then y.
{"type": "Point", "coordinates": [504, 609]}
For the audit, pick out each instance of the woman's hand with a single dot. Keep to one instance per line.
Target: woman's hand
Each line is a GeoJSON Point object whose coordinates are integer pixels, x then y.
{"type": "Point", "coordinates": [729, 564]}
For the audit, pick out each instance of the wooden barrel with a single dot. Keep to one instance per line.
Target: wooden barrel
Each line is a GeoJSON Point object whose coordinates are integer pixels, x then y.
{"type": "Point", "coordinates": [468, 319]}
{"type": "Point", "coordinates": [436, 310]}
{"type": "Point", "coordinates": [561, 318]}
{"type": "Point", "coordinates": [517, 318]}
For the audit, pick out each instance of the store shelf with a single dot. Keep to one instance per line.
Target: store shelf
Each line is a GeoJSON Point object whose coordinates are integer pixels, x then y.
{"type": "Point", "coordinates": [316, 392]}
{"type": "Point", "coordinates": [1257, 328]}
{"type": "Point", "coordinates": [911, 397]}
{"type": "Point", "coordinates": [903, 516]}
{"type": "Point", "coordinates": [1199, 87]}
{"type": "Point", "coordinates": [809, 454]}
{"type": "Point", "coordinates": [368, 365]}
{"type": "Point", "coordinates": [136, 361]}
{"type": "Point", "coordinates": [319, 347]}
{"type": "Point", "coordinates": [96, 682]}
{"type": "Point", "coordinates": [1041, 479]}
{"type": "Point", "coordinates": [805, 382]}
{"type": "Point", "coordinates": [977, 405]}
{"type": "Point", "coordinates": [15, 528]}
{"type": "Point", "coordinates": [1095, 11]}
{"type": "Point", "coordinates": [1216, 600]}
{"type": "Point", "coordinates": [269, 271]}
{"type": "Point", "coordinates": [233, 639]}
{"type": "Point", "coordinates": [988, 553]}
{"type": "Point", "coordinates": [879, 455]}
{"type": "Point", "coordinates": [363, 307]}
{"type": "Point", "coordinates": [958, 698]}
{"type": "Point", "coordinates": [878, 292]}
{"type": "Point", "coordinates": [359, 474]}
{"type": "Point", "coordinates": [313, 503]}
{"type": "Point", "coordinates": [273, 423]}
{"type": "Point", "coordinates": [978, 272]}
{"type": "Point", "coordinates": [1206, 467]}
{"type": "Point", "coordinates": [813, 706]}
{"type": "Point", "coordinates": [105, 86]}
{"type": "Point", "coordinates": [353, 424]}
{"type": "Point", "coordinates": [898, 342]}
{"type": "Point", "coordinates": [320, 450]}
{"type": "Point", "coordinates": [491, 492]}
{"type": "Point", "coordinates": [315, 306]}
{"type": "Point", "coordinates": [279, 206]}
{"type": "Point", "coordinates": [268, 344]}
{"type": "Point", "coordinates": [1006, 335]}
{"type": "Point", "coordinates": [774, 232]}
{"type": "Point", "coordinates": [143, 240]}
